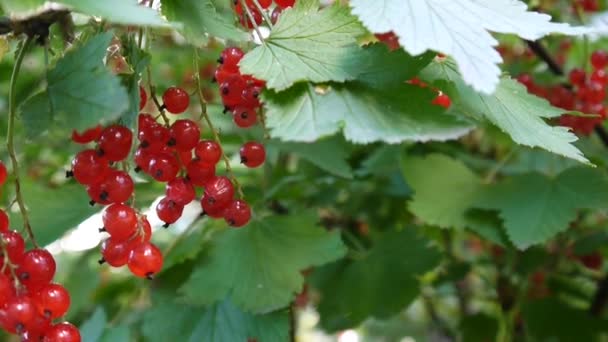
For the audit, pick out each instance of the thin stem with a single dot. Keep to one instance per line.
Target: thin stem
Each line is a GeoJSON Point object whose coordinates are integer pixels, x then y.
{"type": "Point", "coordinates": [152, 90]}
{"type": "Point", "coordinates": [251, 18]}
{"type": "Point", "coordinates": [10, 144]}
{"type": "Point", "coordinates": [542, 53]}
{"type": "Point", "coordinates": [257, 5]}
{"type": "Point", "coordinates": [216, 136]}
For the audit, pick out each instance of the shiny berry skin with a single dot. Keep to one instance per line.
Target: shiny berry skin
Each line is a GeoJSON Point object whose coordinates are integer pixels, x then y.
{"type": "Point", "coordinates": [180, 190]}
{"type": "Point", "coordinates": [208, 151]}
{"type": "Point", "coordinates": [284, 3]}
{"type": "Point", "coordinates": [117, 187]}
{"type": "Point", "coordinates": [143, 98]}
{"type": "Point", "coordinates": [599, 59]}
{"type": "Point", "coordinates": [276, 13]}
{"type": "Point", "coordinates": [3, 173]}
{"type": "Point", "coordinates": [251, 97]}
{"type": "Point", "coordinates": [7, 290]}
{"type": "Point", "coordinates": [238, 213]}
{"type": "Point", "coordinates": [230, 58]}
{"type": "Point", "coordinates": [3, 221]}
{"type": "Point", "coordinates": [176, 100]}
{"type": "Point", "coordinates": [222, 75]}
{"type": "Point", "coordinates": [257, 17]}
{"type": "Point", "coordinates": [115, 142]}
{"type": "Point", "coordinates": [244, 117]}
{"type": "Point", "coordinates": [163, 167]}
{"type": "Point", "coordinates": [15, 246]}
{"type": "Point", "coordinates": [600, 76]}
{"type": "Point", "coordinates": [200, 172]}
{"type": "Point", "coordinates": [168, 210]}
{"type": "Point", "coordinates": [18, 313]}
{"type": "Point", "coordinates": [219, 191]}
{"type": "Point", "coordinates": [231, 91]}
{"type": "Point", "coordinates": [153, 137]}
{"type": "Point", "coordinates": [185, 157]}
{"type": "Point", "coordinates": [577, 76]}
{"type": "Point", "coordinates": [442, 100]}
{"type": "Point", "coordinates": [62, 332]}
{"type": "Point", "coordinates": [253, 154]}
{"type": "Point", "coordinates": [36, 269]}
{"type": "Point", "coordinates": [89, 166]}
{"type": "Point", "coordinates": [212, 208]}
{"type": "Point", "coordinates": [89, 135]}
{"type": "Point", "coordinates": [52, 301]}
{"type": "Point", "coordinates": [120, 221]}
{"type": "Point", "coordinates": [116, 253]}
{"type": "Point", "coordinates": [145, 260]}
{"type": "Point", "coordinates": [39, 325]}
{"type": "Point", "coordinates": [184, 135]}
{"type": "Point", "coordinates": [263, 3]}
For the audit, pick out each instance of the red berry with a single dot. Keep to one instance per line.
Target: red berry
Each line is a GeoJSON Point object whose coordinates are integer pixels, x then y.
{"type": "Point", "coordinates": [185, 157]}
{"type": "Point", "coordinates": [180, 190]}
{"type": "Point", "coordinates": [390, 39]}
{"type": "Point", "coordinates": [592, 261]}
{"type": "Point", "coordinates": [120, 221]}
{"type": "Point", "coordinates": [89, 135]}
{"type": "Point", "coordinates": [176, 100]}
{"type": "Point", "coordinates": [145, 260]}
{"type": "Point", "coordinates": [231, 91]}
{"type": "Point", "coordinates": [15, 246]}
{"type": "Point", "coordinates": [115, 142]}
{"type": "Point", "coordinates": [276, 13]}
{"type": "Point", "coordinates": [442, 100]}
{"type": "Point", "coordinates": [89, 167]}
{"type": "Point", "coordinates": [238, 213]}
{"type": "Point", "coordinates": [263, 3]}
{"type": "Point", "coordinates": [116, 253]}
{"type": "Point", "coordinates": [17, 314]}
{"type": "Point", "coordinates": [168, 210]}
{"type": "Point", "coordinates": [208, 151]}
{"type": "Point", "coordinates": [143, 98]}
{"type": "Point", "coordinates": [599, 59]}
{"type": "Point", "coordinates": [219, 191]}
{"type": "Point", "coordinates": [200, 172]}
{"type": "Point", "coordinates": [7, 289]}
{"type": "Point", "coordinates": [593, 92]}
{"type": "Point", "coordinates": [230, 58]}
{"type": "Point", "coordinates": [253, 154]}
{"type": "Point", "coordinates": [37, 268]}
{"type": "Point", "coordinates": [3, 221]}
{"type": "Point", "coordinates": [257, 17]}
{"type": "Point", "coordinates": [37, 328]}
{"type": "Point", "coordinates": [212, 208]}
{"type": "Point", "coordinates": [62, 332]}
{"type": "Point", "coordinates": [284, 3]}
{"type": "Point", "coordinates": [117, 187]}
{"type": "Point", "coordinates": [3, 173]}
{"type": "Point", "coordinates": [52, 301]}
{"type": "Point", "coordinates": [600, 76]}
{"type": "Point", "coordinates": [577, 77]}
{"type": "Point", "coordinates": [250, 97]}
{"type": "Point", "coordinates": [163, 167]}
{"type": "Point", "coordinates": [222, 75]}
{"type": "Point", "coordinates": [184, 134]}
{"type": "Point", "coordinates": [244, 117]}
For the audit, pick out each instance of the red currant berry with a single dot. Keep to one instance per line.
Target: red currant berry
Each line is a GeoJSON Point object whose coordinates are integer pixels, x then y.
{"type": "Point", "coordinates": [15, 246]}
{"type": "Point", "coordinates": [17, 314]}
{"type": "Point", "coordinates": [600, 76]}
{"type": "Point", "coordinates": [163, 167]}
{"type": "Point", "coordinates": [238, 213]}
{"type": "Point", "coordinates": [180, 190]}
{"type": "Point", "coordinates": [212, 208]}
{"type": "Point", "coordinates": [7, 290]}
{"type": "Point", "coordinates": [52, 301]}
{"type": "Point", "coordinates": [117, 187]}
{"type": "Point", "coordinates": [222, 75]}
{"type": "Point", "coordinates": [176, 100]}
{"type": "Point", "coordinates": [219, 191]}
{"type": "Point", "coordinates": [199, 172]}
{"type": "Point", "coordinates": [89, 167]}
{"type": "Point", "coordinates": [169, 211]}
{"type": "Point", "coordinates": [577, 77]}
{"type": "Point", "coordinates": [257, 17]}
{"type": "Point", "coordinates": [253, 154]}
{"type": "Point", "coordinates": [37, 328]}
{"type": "Point", "coordinates": [231, 91]}
{"type": "Point", "coordinates": [144, 121]}
{"type": "Point", "coordinates": [276, 13]}
{"type": "Point", "coordinates": [285, 3]}
{"type": "Point", "coordinates": [115, 142]}
{"type": "Point", "coordinates": [36, 269]}
{"type": "Point", "coordinates": [263, 3]}
{"type": "Point", "coordinates": [116, 253]}
{"type": "Point", "coordinates": [143, 98]}
{"type": "Point", "coordinates": [89, 135]}
{"type": "Point", "coordinates": [120, 221]}
{"type": "Point", "coordinates": [389, 39]}
{"type": "Point", "coordinates": [208, 152]}
{"type": "Point", "coordinates": [145, 260]}
{"type": "Point", "coordinates": [599, 59]}
{"type": "Point", "coordinates": [184, 134]}
{"type": "Point", "coordinates": [3, 221]}
{"type": "Point", "coordinates": [230, 58]}
{"type": "Point", "coordinates": [244, 117]}
{"type": "Point", "coordinates": [3, 173]}
{"type": "Point", "coordinates": [251, 97]}
{"type": "Point", "coordinates": [62, 332]}
{"type": "Point", "coordinates": [185, 157]}
{"type": "Point", "coordinates": [442, 100]}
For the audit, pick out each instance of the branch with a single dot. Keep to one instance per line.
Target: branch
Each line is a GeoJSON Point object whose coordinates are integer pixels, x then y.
{"type": "Point", "coordinates": [543, 54]}
{"type": "Point", "coordinates": [10, 133]}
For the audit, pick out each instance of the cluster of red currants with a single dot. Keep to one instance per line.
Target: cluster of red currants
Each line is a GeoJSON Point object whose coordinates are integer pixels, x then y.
{"type": "Point", "coordinates": [585, 94]}
{"type": "Point", "coordinates": [586, 5]}
{"type": "Point", "coordinates": [29, 301]}
{"type": "Point", "coordinates": [254, 10]}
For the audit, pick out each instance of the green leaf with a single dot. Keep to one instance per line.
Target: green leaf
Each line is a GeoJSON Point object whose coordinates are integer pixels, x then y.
{"type": "Point", "coordinates": [513, 110]}
{"type": "Point", "coordinates": [328, 154]}
{"type": "Point", "coordinates": [15, 6]}
{"type": "Point", "coordinates": [400, 113]}
{"type": "Point", "coordinates": [258, 267]}
{"type": "Point", "coordinates": [550, 319]}
{"type": "Point", "coordinates": [444, 189]}
{"type": "Point", "coordinates": [380, 284]}
{"type": "Point", "coordinates": [93, 328]}
{"type": "Point", "coordinates": [138, 59]}
{"type": "Point", "coordinates": [189, 244]}
{"type": "Point", "coordinates": [127, 12]}
{"type": "Point", "coordinates": [80, 93]}
{"type": "Point", "coordinates": [169, 321]}
{"type": "Point", "coordinates": [119, 333]}
{"type": "Point", "coordinates": [307, 44]}
{"type": "Point", "coordinates": [198, 18]}
{"type": "Point", "coordinates": [479, 328]}
{"type": "Point", "coordinates": [81, 280]}
{"type": "Point", "coordinates": [535, 208]}
{"type": "Point", "coordinates": [50, 219]}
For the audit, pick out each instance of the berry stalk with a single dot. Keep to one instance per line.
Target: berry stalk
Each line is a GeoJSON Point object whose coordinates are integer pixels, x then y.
{"type": "Point", "coordinates": [257, 5]}
{"type": "Point", "coordinates": [253, 22]}
{"type": "Point", "coordinates": [10, 133]}
{"type": "Point", "coordinates": [216, 137]}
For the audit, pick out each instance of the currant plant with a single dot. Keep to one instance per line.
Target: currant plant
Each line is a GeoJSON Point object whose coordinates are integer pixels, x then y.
{"type": "Point", "coordinates": [233, 170]}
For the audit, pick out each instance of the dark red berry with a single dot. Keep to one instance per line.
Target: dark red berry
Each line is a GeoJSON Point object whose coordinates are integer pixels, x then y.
{"type": "Point", "coordinates": [3, 173]}
{"type": "Point", "coordinates": [176, 100]}
{"type": "Point", "coordinates": [3, 221]}
{"type": "Point", "coordinates": [62, 332]}
{"type": "Point", "coordinates": [7, 290]}
{"type": "Point", "coordinates": [120, 221]}
{"type": "Point", "coordinates": [36, 269]}
{"type": "Point", "coordinates": [230, 59]}
{"type": "Point", "coordinates": [199, 172]}
{"type": "Point", "coordinates": [89, 167]}
{"type": "Point", "coordinates": [145, 260]}
{"type": "Point", "coordinates": [238, 213]}
{"type": "Point", "coordinates": [184, 134]}
{"type": "Point", "coordinates": [168, 210]}
{"type": "Point", "coordinates": [115, 142]}
{"type": "Point", "coordinates": [180, 190]}
{"type": "Point", "coordinates": [208, 151]}
{"type": "Point", "coordinates": [116, 253]}
{"type": "Point", "coordinates": [52, 301]}
{"type": "Point", "coordinates": [163, 167]}
{"type": "Point", "coordinates": [89, 135]}
{"type": "Point", "coordinates": [244, 117]}
{"type": "Point", "coordinates": [285, 3]}
{"type": "Point", "coordinates": [253, 154]}
{"type": "Point", "coordinates": [251, 97]}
